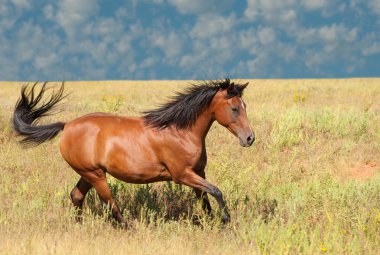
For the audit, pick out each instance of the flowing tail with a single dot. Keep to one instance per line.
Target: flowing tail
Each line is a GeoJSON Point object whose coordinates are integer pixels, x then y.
{"type": "Point", "coordinates": [27, 113]}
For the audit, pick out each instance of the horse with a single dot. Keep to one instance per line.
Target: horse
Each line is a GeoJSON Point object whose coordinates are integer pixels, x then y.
{"type": "Point", "coordinates": [164, 144]}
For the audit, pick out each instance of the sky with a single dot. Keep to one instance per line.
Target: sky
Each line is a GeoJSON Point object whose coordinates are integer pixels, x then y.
{"type": "Point", "coordinates": [188, 39]}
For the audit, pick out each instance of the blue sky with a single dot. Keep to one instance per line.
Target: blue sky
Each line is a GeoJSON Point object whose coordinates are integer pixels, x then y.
{"type": "Point", "coordinates": [188, 39]}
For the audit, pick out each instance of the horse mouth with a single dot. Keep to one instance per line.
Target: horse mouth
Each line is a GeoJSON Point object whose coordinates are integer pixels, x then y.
{"type": "Point", "coordinates": [245, 143]}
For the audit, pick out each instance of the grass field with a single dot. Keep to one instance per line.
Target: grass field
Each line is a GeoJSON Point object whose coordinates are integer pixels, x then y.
{"type": "Point", "coordinates": [310, 184]}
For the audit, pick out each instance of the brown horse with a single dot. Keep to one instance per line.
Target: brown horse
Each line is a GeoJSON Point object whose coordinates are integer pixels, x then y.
{"type": "Point", "coordinates": [165, 144]}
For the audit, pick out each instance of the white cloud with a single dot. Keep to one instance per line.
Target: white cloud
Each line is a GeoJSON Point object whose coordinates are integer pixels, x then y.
{"type": "Point", "coordinates": [124, 45]}
{"type": "Point", "coordinates": [284, 15]}
{"type": "Point", "coordinates": [248, 41]}
{"type": "Point", "coordinates": [42, 62]}
{"type": "Point", "coordinates": [372, 49]}
{"type": "Point", "coordinates": [374, 5]}
{"type": "Point", "coordinates": [287, 52]}
{"type": "Point", "coordinates": [267, 54]}
{"type": "Point", "coordinates": [148, 62]}
{"type": "Point", "coordinates": [71, 15]}
{"type": "Point", "coordinates": [334, 34]}
{"type": "Point", "coordinates": [210, 24]}
{"type": "Point", "coordinates": [121, 12]}
{"type": "Point", "coordinates": [313, 5]}
{"type": "Point", "coordinates": [268, 9]}
{"type": "Point", "coordinates": [33, 47]}
{"type": "Point", "coordinates": [170, 44]}
{"type": "Point", "coordinates": [9, 15]}
{"type": "Point", "coordinates": [258, 65]}
{"type": "Point", "coordinates": [266, 35]}
{"type": "Point", "coordinates": [4, 9]}
{"type": "Point", "coordinates": [24, 4]}
{"type": "Point", "coordinates": [288, 15]}
{"type": "Point", "coordinates": [329, 44]}
{"type": "Point", "coordinates": [212, 44]}
{"type": "Point", "coordinates": [371, 44]}
{"type": "Point", "coordinates": [200, 6]}
{"type": "Point", "coordinates": [278, 12]}
{"type": "Point", "coordinates": [106, 28]}
{"type": "Point", "coordinates": [48, 11]}
{"type": "Point", "coordinates": [156, 1]}
{"type": "Point", "coordinates": [271, 38]}
{"type": "Point", "coordinates": [253, 66]}
{"type": "Point", "coordinates": [315, 59]}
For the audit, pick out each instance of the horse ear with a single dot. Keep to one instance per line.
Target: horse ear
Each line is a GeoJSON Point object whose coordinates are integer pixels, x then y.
{"type": "Point", "coordinates": [243, 86]}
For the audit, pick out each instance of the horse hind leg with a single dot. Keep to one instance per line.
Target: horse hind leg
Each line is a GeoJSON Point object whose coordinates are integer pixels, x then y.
{"type": "Point", "coordinates": [98, 180]}
{"type": "Point", "coordinates": [77, 196]}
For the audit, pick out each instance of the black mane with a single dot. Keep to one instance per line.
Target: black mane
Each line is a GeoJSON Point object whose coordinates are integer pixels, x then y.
{"type": "Point", "coordinates": [184, 107]}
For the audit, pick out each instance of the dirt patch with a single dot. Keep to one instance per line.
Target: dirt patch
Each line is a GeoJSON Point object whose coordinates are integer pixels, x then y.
{"type": "Point", "coordinates": [361, 171]}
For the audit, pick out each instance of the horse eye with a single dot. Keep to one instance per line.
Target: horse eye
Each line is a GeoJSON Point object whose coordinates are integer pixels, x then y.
{"type": "Point", "coordinates": [235, 109]}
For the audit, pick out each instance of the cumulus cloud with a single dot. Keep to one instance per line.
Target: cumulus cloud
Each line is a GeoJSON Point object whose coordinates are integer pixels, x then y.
{"type": "Point", "coordinates": [371, 44]}
{"type": "Point", "coordinates": [72, 14]}
{"type": "Point", "coordinates": [170, 43]}
{"type": "Point", "coordinates": [211, 24]}
{"type": "Point", "coordinates": [314, 4]}
{"type": "Point", "coordinates": [91, 39]}
{"type": "Point", "coordinates": [10, 13]}
{"type": "Point", "coordinates": [334, 34]}
{"type": "Point", "coordinates": [30, 48]}
{"type": "Point", "coordinates": [334, 43]}
{"type": "Point", "coordinates": [266, 35]}
{"type": "Point", "coordinates": [374, 5]}
{"type": "Point", "coordinates": [286, 12]}
{"type": "Point", "coordinates": [201, 6]}
{"type": "Point", "coordinates": [268, 9]}
{"type": "Point", "coordinates": [22, 3]}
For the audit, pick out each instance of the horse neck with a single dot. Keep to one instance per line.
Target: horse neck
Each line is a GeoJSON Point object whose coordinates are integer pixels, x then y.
{"type": "Point", "coordinates": [202, 125]}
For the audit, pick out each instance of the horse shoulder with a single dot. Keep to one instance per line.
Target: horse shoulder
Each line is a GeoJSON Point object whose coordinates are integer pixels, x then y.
{"type": "Point", "coordinates": [178, 151]}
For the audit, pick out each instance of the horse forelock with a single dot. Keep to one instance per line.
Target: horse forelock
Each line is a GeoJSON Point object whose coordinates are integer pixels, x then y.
{"type": "Point", "coordinates": [232, 88]}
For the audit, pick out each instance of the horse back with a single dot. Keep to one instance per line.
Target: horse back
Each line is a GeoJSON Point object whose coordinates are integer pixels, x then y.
{"type": "Point", "coordinates": [87, 140]}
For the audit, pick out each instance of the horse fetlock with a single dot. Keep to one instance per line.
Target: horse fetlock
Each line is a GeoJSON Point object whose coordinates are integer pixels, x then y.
{"type": "Point", "coordinates": [125, 225]}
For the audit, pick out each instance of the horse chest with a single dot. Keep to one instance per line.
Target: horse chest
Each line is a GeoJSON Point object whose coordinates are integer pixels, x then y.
{"type": "Point", "coordinates": [201, 164]}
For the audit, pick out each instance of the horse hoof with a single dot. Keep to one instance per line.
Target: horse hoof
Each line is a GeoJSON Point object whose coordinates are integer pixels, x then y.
{"type": "Point", "coordinates": [226, 218]}
{"type": "Point", "coordinates": [126, 226]}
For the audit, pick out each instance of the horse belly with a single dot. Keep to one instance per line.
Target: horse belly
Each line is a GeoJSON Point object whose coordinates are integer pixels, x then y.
{"type": "Point", "coordinates": [135, 164]}
{"type": "Point", "coordinates": [139, 173]}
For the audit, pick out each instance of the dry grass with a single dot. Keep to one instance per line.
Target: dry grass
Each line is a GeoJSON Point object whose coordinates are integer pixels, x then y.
{"type": "Point", "coordinates": [293, 192]}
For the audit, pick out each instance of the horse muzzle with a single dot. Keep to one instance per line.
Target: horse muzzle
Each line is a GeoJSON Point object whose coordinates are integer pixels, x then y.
{"type": "Point", "coordinates": [247, 140]}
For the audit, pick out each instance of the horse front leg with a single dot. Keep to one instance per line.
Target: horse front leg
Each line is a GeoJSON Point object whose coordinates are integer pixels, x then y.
{"type": "Point", "coordinates": [202, 196]}
{"type": "Point", "coordinates": [191, 179]}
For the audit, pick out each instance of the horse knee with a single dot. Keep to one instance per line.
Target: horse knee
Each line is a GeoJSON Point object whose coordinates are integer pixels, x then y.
{"type": "Point", "coordinates": [77, 197]}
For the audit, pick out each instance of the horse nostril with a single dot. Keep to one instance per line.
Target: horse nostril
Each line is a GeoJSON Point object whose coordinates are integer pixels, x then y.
{"type": "Point", "coordinates": [250, 139]}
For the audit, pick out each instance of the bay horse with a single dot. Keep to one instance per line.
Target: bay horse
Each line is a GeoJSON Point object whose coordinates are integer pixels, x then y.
{"type": "Point", "coordinates": [165, 144]}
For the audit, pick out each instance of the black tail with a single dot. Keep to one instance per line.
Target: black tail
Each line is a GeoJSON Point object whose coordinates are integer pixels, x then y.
{"type": "Point", "coordinates": [27, 112]}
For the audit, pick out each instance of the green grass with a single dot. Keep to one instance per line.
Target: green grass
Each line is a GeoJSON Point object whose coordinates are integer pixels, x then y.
{"type": "Point", "coordinates": [292, 192]}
